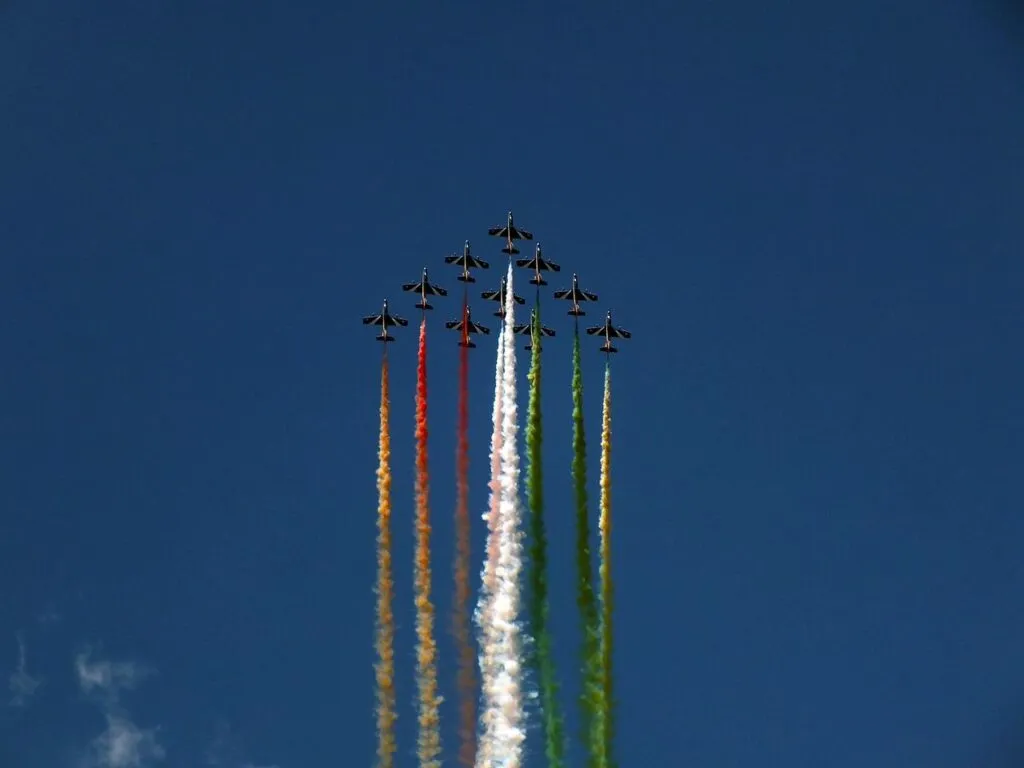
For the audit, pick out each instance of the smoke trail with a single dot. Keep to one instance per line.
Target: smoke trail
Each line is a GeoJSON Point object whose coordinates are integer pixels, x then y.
{"type": "Point", "coordinates": [541, 658]}
{"type": "Point", "coordinates": [488, 587]}
{"type": "Point", "coordinates": [591, 700]}
{"type": "Point", "coordinates": [426, 652]}
{"type": "Point", "coordinates": [385, 666]}
{"type": "Point", "coordinates": [605, 526]}
{"type": "Point", "coordinates": [509, 733]}
{"type": "Point", "coordinates": [461, 618]}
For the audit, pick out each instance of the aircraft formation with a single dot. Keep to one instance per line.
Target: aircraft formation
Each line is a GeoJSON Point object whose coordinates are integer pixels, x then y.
{"type": "Point", "coordinates": [466, 261]}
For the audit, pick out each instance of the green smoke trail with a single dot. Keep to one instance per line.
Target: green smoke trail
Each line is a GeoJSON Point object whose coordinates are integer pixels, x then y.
{"type": "Point", "coordinates": [592, 699]}
{"type": "Point", "coordinates": [541, 658]}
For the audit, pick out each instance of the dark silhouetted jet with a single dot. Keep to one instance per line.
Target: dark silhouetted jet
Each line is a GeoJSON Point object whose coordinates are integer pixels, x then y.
{"type": "Point", "coordinates": [499, 296]}
{"type": "Point", "coordinates": [467, 261]}
{"type": "Point", "coordinates": [526, 329]}
{"type": "Point", "coordinates": [576, 295]}
{"type": "Point", "coordinates": [609, 332]}
{"type": "Point", "coordinates": [510, 232]}
{"type": "Point", "coordinates": [385, 319]}
{"type": "Point", "coordinates": [424, 288]}
{"type": "Point", "coordinates": [471, 327]}
{"type": "Point", "coordinates": [538, 264]}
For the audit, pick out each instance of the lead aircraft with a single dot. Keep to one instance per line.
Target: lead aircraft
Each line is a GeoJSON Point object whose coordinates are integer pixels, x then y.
{"type": "Point", "coordinates": [510, 232]}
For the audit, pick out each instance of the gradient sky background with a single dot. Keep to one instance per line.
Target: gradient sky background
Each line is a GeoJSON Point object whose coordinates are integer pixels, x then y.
{"type": "Point", "coordinates": [809, 217]}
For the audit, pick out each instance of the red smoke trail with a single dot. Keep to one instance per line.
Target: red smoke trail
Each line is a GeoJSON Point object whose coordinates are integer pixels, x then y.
{"type": "Point", "coordinates": [426, 652]}
{"type": "Point", "coordinates": [462, 629]}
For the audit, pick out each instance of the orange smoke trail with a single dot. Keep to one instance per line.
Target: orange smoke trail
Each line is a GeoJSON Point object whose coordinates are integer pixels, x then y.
{"type": "Point", "coordinates": [426, 652]}
{"type": "Point", "coordinates": [461, 618]}
{"type": "Point", "coordinates": [385, 666]}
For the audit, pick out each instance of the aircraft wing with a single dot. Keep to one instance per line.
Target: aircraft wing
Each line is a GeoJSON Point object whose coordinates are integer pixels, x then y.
{"type": "Point", "coordinates": [518, 299]}
{"type": "Point", "coordinates": [566, 294]}
{"type": "Point", "coordinates": [620, 333]}
{"type": "Point", "coordinates": [372, 320]}
{"type": "Point", "coordinates": [491, 295]}
{"type": "Point", "coordinates": [547, 331]}
{"type": "Point", "coordinates": [411, 286]}
{"type": "Point", "coordinates": [596, 329]}
{"type": "Point", "coordinates": [524, 328]}
{"type": "Point", "coordinates": [481, 328]}
{"type": "Point", "coordinates": [589, 296]}
{"type": "Point", "coordinates": [526, 235]}
{"type": "Point", "coordinates": [400, 320]}
{"type": "Point", "coordinates": [496, 231]}
{"type": "Point", "coordinates": [524, 262]}
{"type": "Point", "coordinates": [453, 324]}
{"type": "Point", "coordinates": [437, 290]}
{"type": "Point", "coordinates": [452, 259]}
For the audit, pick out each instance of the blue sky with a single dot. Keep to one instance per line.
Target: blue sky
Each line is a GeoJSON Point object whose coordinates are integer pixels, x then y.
{"type": "Point", "coordinates": [809, 217]}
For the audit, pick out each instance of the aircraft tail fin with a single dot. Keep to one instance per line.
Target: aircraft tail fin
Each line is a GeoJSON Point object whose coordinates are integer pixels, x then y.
{"type": "Point", "coordinates": [538, 280]}
{"type": "Point", "coordinates": [466, 278]}
{"type": "Point", "coordinates": [467, 344]}
{"type": "Point", "coordinates": [423, 305]}
{"type": "Point", "coordinates": [608, 348]}
{"type": "Point", "coordinates": [577, 312]}
{"type": "Point", "coordinates": [385, 337]}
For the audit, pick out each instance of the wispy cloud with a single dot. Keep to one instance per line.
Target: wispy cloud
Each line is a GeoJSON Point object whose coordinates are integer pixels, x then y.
{"type": "Point", "coordinates": [48, 617]}
{"type": "Point", "coordinates": [22, 684]}
{"type": "Point", "coordinates": [108, 678]}
{"type": "Point", "coordinates": [123, 744]}
{"type": "Point", "coordinates": [226, 750]}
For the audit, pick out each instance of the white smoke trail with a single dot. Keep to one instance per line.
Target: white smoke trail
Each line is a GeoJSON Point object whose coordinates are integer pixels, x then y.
{"type": "Point", "coordinates": [488, 637]}
{"type": "Point", "coordinates": [509, 730]}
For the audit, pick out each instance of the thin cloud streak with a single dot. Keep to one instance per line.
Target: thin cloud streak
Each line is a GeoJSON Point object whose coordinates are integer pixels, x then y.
{"type": "Point", "coordinates": [22, 684]}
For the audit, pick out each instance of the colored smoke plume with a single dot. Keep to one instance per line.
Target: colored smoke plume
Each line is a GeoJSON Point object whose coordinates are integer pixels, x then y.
{"type": "Point", "coordinates": [591, 698]}
{"type": "Point", "coordinates": [461, 613]}
{"type": "Point", "coordinates": [541, 658]}
{"type": "Point", "coordinates": [385, 630]}
{"type": "Point", "coordinates": [429, 746]}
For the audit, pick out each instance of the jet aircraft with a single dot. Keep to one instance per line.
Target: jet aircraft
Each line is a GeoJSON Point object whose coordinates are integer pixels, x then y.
{"type": "Point", "coordinates": [467, 261]}
{"type": "Point", "coordinates": [424, 288]}
{"type": "Point", "coordinates": [510, 232]}
{"type": "Point", "coordinates": [538, 264]}
{"type": "Point", "coordinates": [609, 332]}
{"type": "Point", "coordinates": [499, 296]}
{"type": "Point", "coordinates": [526, 329]}
{"type": "Point", "coordinates": [385, 319]}
{"type": "Point", "coordinates": [471, 327]}
{"type": "Point", "coordinates": [576, 295]}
